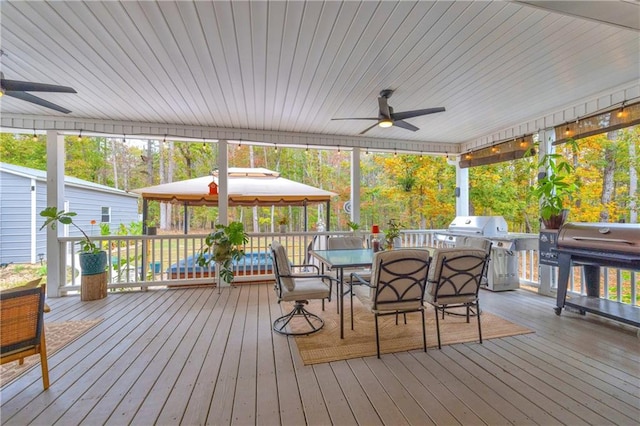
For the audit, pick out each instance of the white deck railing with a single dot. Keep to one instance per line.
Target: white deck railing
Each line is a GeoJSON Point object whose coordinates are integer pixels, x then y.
{"type": "Point", "coordinates": [169, 260]}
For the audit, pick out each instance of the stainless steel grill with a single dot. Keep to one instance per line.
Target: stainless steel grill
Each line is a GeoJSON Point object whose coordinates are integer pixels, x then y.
{"type": "Point", "coordinates": [503, 269]}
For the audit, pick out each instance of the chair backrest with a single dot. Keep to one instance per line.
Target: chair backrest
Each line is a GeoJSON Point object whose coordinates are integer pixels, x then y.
{"type": "Point", "coordinates": [457, 272]}
{"type": "Point", "coordinates": [399, 278]}
{"type": "Point", "coordinates": [21, 318]}
{"type": "Point", "coordinates": [282, 268]}
{"type": "Point", "coordinates": [474, 242]}
{"type": "Point", "coordinates": [344, 243]}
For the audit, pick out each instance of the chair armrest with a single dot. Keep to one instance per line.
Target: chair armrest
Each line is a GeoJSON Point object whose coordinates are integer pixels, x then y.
{"type": "Point", "coordinates": [307, 266]}
{"type": "Point", "coordinates": [361, 280]}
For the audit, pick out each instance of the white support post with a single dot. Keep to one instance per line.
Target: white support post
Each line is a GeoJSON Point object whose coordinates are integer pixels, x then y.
{"type": "Point", "coordinates": [355, 185]}
{"type": "Point", "coordinates": [55, 197]}
{"type": "Point", "coordinates": [462, 189]}
{"type": "Point", "coordinates": [223, 182]}
{"type": "Point", "coordinates": [547, 274]}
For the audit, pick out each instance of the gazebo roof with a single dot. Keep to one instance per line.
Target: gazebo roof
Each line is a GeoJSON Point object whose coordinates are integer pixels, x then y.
{"type": "Point", "coordinates": [247, 187]}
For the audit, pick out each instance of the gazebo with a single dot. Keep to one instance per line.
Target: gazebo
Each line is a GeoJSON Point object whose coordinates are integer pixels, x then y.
{"type": "Point", "coordinates": [246, 187]}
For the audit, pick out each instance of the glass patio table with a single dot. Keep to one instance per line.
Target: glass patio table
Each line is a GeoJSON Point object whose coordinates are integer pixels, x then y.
{"type": "Point", "coordinates": [339, 260]}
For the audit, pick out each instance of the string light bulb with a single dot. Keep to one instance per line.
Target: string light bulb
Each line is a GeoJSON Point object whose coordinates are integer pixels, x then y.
{"type": "Point", "coordinates": [567, 131]}
{"type": "Point", "coordinates": [276, 145]}
{"type": "Point", "coordinates": [395, 152]}
{"type": "Point", "coordinates": [80, 136]}
{"type": "Point", "coordinates": [621, 111]}
{"type": "Point", "coordinates": [307, 150]}
{"type": "Point", "coordinates": [35, 137]}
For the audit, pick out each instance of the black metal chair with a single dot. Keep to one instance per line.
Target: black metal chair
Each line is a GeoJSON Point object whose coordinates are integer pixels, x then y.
{"type": "Point", "coordinates": [397, 286]}
{"type": "Point", "coordinates": [298, 288]}
{"type": "Point", "coordinates": [455, 277]}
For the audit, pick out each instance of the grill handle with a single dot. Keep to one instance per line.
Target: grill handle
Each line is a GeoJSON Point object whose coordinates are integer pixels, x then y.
{"type": "Point", "coordinates": [604, 240]}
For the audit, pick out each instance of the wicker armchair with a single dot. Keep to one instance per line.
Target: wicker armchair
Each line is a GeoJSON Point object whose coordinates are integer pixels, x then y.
{"type": "Point", "coordinates": [22, 324]}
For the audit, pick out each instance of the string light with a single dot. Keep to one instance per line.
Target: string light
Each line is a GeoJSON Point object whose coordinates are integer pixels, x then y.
{"type": "Point", "coordinates": [80, 136]}
{"type": "Point", "coordinates": [276, 145]}
{"type": "Point", "coordinates": [165, 139]}
{"type": "Point", "coordinates": [366, 152]}
{"type": "Point", "coordinates": [35, 137]}
{"type": "Point", "coordinates": [395, 152]}
{"type": "Point", "coordinates": [240, 143]}
{"type": "Point", "coordinates": [204, 143]}
{"type": "Point", "coordinates": [621, 111]}
{"type": "Point", "coordinates": [338, 149]}
{"type": "Point", "coordinates": [567, 131]}
{"type": "Point", "coordinates": [124, 138]}
{"type": "Point", "coordinates": [307, 150]}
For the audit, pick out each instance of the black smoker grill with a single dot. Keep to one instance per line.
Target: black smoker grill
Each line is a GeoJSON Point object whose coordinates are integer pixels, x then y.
{"type": "Point", "coordinates": [594, 245]}
{"type": "Point", "coordinates": [503, 269]}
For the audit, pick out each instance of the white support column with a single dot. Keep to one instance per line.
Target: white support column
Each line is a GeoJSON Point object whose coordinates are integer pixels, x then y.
{"type": "Point", "coordinates": [223, 182]}
{"type": "Point", "coordinates": [462, 189]}
{"type": "Point", "coordinates": [355, 185]}
{"type": "Point", "coordinates": [547, 274]}
{"type": "Point", "coordinates": [55, 197]}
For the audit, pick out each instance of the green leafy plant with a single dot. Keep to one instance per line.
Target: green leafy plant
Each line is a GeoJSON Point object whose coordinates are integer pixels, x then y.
{"type": "Point", "coordinates": [392, 232]}
{"type": "Point", "coordinates": [554, 186]}
{"type": "Point", "coordinates": [353, 226]}
{"type": "Point", "coordinates": [52, 216]}
{"type": "Point", "coordinates": [222, 246]}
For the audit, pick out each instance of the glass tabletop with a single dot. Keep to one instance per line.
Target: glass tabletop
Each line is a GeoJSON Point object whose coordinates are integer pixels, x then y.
{"type": "Point", "coordinates": [344, 258]}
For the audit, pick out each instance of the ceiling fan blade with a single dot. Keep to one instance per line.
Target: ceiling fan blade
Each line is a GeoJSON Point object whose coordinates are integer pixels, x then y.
{"type": "Point", "coordinates": [405, 125]}
{"type": "Point", "coordinates": [357, 118]}
{"type": "Point", "coordinates": [367, 129]}
{"type": "Point", "coordinates": [384, 107]}
{"type": "Point", "coordinates": [416, 113]}
{"type": "Point", "coordinates": [26, 86]}
{"type": "Point", "coordinates": [36, 100]}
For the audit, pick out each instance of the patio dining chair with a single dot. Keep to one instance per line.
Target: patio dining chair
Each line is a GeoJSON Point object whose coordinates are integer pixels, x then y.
{"type": "Point", "coordinates": [22, 325]}
{"type": "Point", "coordinates": [454, 281]}
{"type": "Point", "coordinates": [397, 286]}
{"type": "Point", "coordinates": [298, 287]}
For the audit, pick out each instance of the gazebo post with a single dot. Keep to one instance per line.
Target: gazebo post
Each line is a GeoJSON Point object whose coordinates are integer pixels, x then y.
{"type": "Point", "coordinates": [328, 214]}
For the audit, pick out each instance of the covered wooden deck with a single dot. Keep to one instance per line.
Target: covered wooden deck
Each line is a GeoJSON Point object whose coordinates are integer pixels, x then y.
{"type": "Point", "coordinates": [193, 356]}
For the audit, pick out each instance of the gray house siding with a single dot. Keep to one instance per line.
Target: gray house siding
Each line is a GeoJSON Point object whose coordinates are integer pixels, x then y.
{"type": "Point", "coordinates": [20, 237]}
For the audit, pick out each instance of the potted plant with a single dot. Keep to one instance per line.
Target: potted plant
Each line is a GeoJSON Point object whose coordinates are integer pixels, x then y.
{"type": "Point", "coordinates": [222, 247]}
{"type": "Point", "coordinates": [93, 260]}
{"type": "Point", "coordinates": [554, 188]}
{"type": "Point", "coordinates": [283, 221]}
{"type": "Point", "coordinates": [392, 234]}
{"type": "Point", "coordinates": [152, 229]}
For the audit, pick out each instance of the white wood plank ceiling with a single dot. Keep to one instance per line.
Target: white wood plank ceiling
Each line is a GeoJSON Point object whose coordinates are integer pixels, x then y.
{"type": "Point", "coordinates": [283, 69]}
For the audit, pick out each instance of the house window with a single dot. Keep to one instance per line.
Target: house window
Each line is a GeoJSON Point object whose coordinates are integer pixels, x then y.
{"type": "Point", "coordinates": [106, 215]}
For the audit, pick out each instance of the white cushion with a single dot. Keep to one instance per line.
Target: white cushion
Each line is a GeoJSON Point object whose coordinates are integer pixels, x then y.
{"type": "Point", "coordinates": [283, 265]}
{"type": "Point", "coordinates": [305, 289]}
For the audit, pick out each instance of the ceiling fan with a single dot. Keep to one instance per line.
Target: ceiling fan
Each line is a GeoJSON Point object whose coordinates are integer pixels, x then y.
{"type": "Point", "coordinates": [387, 118]}
{"type": "Point", "coordinates": [19, 89]}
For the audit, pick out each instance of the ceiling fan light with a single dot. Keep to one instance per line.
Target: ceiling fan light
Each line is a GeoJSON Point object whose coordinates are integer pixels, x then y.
{"type": "Point", "coordinates": [385, 123]}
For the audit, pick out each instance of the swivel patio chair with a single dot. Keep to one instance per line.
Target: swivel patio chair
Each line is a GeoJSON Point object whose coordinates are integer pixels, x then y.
{"type": "Point", "coordinates": [298, 288]}
{"type": "Point", "coordinates": [454, 281]}
{"type": "Point", "coordinates": [22, 325]}
{"type": "Point", "coordinates": [397, 286]}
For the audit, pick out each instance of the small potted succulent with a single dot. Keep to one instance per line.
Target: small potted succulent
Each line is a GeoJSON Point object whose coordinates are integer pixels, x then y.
{"type": "Point", "coordinates": [93, 260]}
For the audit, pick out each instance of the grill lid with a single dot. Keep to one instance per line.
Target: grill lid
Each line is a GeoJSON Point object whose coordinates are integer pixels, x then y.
{"type": "Point", "coordinates": [486, 226]}
{"type": "Point", "coordinates": [600, 236]}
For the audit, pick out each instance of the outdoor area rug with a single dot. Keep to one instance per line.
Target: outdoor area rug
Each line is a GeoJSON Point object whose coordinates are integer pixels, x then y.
{"type": "Point", "coordinates": [57, 335]}
{"type": "Point", "coordinates": [326, 345]}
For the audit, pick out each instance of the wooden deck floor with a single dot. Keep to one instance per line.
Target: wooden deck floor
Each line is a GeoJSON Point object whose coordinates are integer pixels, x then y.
{"type": "Point", "coordinates": [192, 356]}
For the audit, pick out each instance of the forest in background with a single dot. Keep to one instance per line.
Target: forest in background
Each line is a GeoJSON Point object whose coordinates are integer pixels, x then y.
{"type": "Point", "coordinates": [418, 191]}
